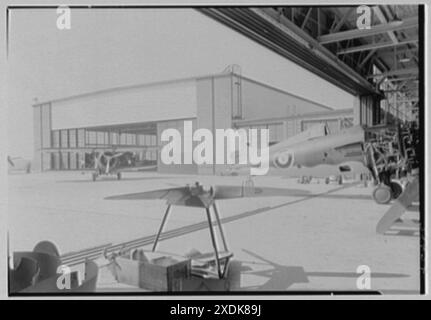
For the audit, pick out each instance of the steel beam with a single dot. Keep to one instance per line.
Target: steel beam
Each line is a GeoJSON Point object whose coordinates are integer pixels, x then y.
{"type": "Point", "coordinates": [395, 73]}
{"type": "Point", "coordinates": [361, 33]}
{"type": "Point", "coordinates": [369, 55]}
{"type": "Point", "coordinates": [298, 34]}
{"type": "Point", "coordinates": [404, 78]}
{"type": "Point", "coordinates": [373, 46]}
{"type": "Point", "coordinates": [306, 18]}
{"type": "Point", "coordinates": [282, 36]}
{"type": "Point", "coordinates": [383, 19]}
{"type": "Point", "coordinates": [400, 51]}
{"type": "Point", "coordinates": [342, 20]}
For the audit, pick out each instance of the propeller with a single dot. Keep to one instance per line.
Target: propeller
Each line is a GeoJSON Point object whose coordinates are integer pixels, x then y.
{"type": "Point", "coordinates": [198, 196]}
{"type": "Point", "coordinates": [108, 155]}
{"type": "Point", "coordinates": [410, 194]}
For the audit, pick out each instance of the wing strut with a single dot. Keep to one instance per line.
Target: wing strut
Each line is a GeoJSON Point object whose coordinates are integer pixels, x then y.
{"type": "Point", "coordinates": [165, 217]}
{"type": "Point", "coordinates": [220, 227]}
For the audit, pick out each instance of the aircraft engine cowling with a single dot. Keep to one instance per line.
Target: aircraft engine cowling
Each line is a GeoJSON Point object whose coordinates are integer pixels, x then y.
{"type": "Point", "coordinates": [284, 160]}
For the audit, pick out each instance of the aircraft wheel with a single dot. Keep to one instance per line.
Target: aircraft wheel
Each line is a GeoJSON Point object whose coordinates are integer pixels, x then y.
{"type": "Point", "coordinates": [382, 194]}
{"type": "Point", "coordinates": [326, 180]}
{"type": "Point", "coordinates": [119, 175]}
{"type": "Point", "coordinates": [94, 176]}
{"type": "Point", "coordinates": [396, 188]}
{"type": "Point", "coordinates": [340, 179]}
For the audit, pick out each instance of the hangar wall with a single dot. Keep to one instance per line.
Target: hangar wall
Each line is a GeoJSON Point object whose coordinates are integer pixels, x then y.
{"type": "Point", "coordinates": [42, 135]}
{"type": "Point", "coordinates": [155, 102]}
{"type": "Point", "coordinates": [215, 105]}
{"type": "Point", "coordinates": [261, 101]}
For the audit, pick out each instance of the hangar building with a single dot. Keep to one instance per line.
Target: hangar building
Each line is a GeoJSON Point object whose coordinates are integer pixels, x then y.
{"type": "Point", "coordinates": [132, 118]}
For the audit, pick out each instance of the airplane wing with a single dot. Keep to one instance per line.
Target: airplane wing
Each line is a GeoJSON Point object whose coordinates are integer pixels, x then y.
{"type": "Point", "coordinates": [175, 195]}
{"type": "Point", "coordinates": [137, 169]}
{"type": "Point", "coordinates": [400, 205]}
{"type": "Point", "coordinates": [171, 195]}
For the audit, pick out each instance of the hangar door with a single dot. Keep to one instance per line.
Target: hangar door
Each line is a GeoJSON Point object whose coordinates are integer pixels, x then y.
{"type": "Point", "coordinates": [333, 124]}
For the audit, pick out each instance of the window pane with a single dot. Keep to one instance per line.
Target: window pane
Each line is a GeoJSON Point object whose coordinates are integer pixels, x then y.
{"type": "Point", "coordinates": [91, 137]}
{"type": "Point", "coordinates": [81, 137]}
{"type": "Point", "coordinates": [64, 160]}
{"type": "Point", "coordinates": [55, 161]}
{"type": "Point", "coordinates": [123, 140]}
{"type": "Point", "coordinates": [72, 138]}
{"type": "Point", "coordinates": [72, 160]}
{"type": "Point", "coordinates": [56, 139]}
{"type": "Point", "coordinates": [100, 138]}
{"type": "Point", "coordinates": [64, 139]}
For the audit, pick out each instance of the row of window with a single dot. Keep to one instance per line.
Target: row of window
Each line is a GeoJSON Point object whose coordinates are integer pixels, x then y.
{"type": "Point", "coordinates": [72, 138]}
{"type": "Point", "coordinates": [77, 138]}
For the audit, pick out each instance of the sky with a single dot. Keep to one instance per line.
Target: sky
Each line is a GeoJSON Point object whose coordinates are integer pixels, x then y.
{"type": "Point", "coordinates": [107, 48]}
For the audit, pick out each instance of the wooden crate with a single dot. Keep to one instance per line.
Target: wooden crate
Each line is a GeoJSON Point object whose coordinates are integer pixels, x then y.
{"type": "Point", "coordinates": [155, 271]}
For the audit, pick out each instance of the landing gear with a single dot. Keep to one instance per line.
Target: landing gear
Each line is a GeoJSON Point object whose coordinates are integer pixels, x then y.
{"type": "Point", "coordinates": [119, 176]}
{"type": "Point", "coordinates": [338, 179]}
{"type": "Point", "coordinates": [305, 179]}
{"type": "Point", "coordinates": [396, 188]}
{"type": "Point", "coordinates": [94, 176]}
{"type": "Point", "coordinates": [382, 194]}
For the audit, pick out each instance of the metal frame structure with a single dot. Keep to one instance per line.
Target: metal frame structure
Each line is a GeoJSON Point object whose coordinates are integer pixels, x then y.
{"type": "Point", "coordinates": [222, 262]}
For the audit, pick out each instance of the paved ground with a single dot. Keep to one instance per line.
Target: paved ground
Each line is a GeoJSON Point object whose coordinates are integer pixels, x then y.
{"type": "Point", "coordinates": [290, 242]}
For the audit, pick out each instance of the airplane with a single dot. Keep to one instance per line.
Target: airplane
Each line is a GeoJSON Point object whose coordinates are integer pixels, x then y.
{"type": "Point", "coordinates": [387, 152]}
{"type": "Point", "coordinates": [214, 264]}
{"type": "Point", "coordinates": [111, 163]}
{"type": "Point", "coordinates": [18, 164]}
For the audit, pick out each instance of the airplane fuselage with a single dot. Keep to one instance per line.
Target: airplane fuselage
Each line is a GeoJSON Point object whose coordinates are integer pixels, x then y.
{"type": "Point", "coordinates": [334, 149]}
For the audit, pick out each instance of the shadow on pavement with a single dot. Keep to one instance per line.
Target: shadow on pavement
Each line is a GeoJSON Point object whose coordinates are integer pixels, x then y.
{"type": "Point", "coordinates": [280, 277]}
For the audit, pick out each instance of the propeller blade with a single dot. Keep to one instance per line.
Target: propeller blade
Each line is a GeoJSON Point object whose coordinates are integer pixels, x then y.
{"type": "Point", "coordinates": [232, 192]}
{"type": "Point", "coordinates": [167, 194]}
{"type": "Point", "coordinates": [117, 155]}
{"type": "Point", "coordinates": [9, 159]}
{"type": "Point", "coordinates": [400, 205]}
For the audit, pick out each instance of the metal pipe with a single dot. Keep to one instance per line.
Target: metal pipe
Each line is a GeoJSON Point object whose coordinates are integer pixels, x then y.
{"type": "Point", "coordinates": [214, 242]}
{"type": "Point", "coordinates": [165, 217]}
{"type": "Point", "coordinates": [220, 227]}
